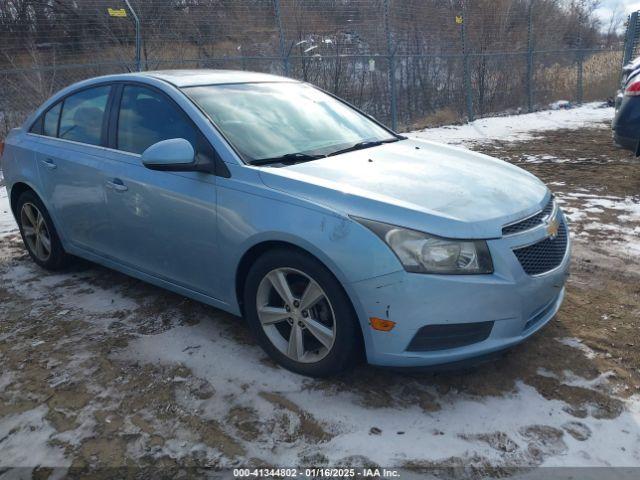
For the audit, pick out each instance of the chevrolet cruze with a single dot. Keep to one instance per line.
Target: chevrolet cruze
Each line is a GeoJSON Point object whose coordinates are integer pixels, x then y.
{"type": "Point", "coordinates": [269, 198]}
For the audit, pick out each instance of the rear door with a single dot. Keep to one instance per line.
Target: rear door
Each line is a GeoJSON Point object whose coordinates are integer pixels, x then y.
{"type": "Point", "coordinates": [164, 222]}
{"type": "Point", "coordinates": [69, 140]}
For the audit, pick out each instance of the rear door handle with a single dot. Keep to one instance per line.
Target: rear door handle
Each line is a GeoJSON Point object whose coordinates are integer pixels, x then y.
{"type": "Point", "coordinates": [117, 185]}
{"type": "Point", "coordinates": [49, 163]}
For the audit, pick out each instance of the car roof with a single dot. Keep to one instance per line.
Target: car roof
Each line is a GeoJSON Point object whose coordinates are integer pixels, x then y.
{"type": "Point", "coordinates": [191, 78]}
{"type": "Point", "coordinates": [177, 78]}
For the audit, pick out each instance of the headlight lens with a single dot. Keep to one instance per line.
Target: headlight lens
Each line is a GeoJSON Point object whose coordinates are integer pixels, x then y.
{"type": "Point", "coordinates": [423, 253]}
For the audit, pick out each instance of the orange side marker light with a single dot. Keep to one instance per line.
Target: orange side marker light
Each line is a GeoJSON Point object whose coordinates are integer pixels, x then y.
{"type": "Point", "coordinates": [381, 324]}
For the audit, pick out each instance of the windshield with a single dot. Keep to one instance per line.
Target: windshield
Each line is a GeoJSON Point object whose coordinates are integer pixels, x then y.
{"type": "Point", "coordinates": [273, 120]}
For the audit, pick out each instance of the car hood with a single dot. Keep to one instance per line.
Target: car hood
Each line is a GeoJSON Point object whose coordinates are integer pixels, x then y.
{"type": "Point", "coordinates": [443, 190]}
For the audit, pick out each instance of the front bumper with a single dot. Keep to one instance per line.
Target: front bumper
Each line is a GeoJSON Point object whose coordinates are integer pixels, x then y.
{"type": "Point", "coordinates": [518, 305]}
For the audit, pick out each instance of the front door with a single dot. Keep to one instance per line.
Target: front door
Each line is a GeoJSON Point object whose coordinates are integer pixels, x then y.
{"type": "Point", "coordinates": [164, 222]}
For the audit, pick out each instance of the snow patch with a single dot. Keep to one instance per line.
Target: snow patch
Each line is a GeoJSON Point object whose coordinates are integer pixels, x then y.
{"type": "Point", "coordinates": [560, 104]}
{"type": "Point", "coordinates": [19, 434]}
{"type": "Point", "coordinates": [590, 210]}
{"type": "Point", "coordinates": [7, 223]}
{"type": "Point", "coordinates": [406, 433]}
{"type": "Point", "coordinates": [517, 127]}
{"type": "Point", "coordinates": [543, 159]}
{"type": "Point", "coordinates": [577, 343]}
{"type": "Point", "coordinates": [75, 296]}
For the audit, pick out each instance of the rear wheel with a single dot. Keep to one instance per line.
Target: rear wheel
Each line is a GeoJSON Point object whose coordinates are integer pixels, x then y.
{"type": "Point", "coordinates": [300, 314]}
{"type": "Point", "coordinates": [38, 233]}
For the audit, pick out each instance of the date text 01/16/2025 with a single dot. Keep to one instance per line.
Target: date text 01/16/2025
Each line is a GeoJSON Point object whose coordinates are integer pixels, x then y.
{"type": "Point", "coordinates": [315, 473]}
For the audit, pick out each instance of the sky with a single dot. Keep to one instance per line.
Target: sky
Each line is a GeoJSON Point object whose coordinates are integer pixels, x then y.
{"type": "Point", "coordinates": [622, 7]}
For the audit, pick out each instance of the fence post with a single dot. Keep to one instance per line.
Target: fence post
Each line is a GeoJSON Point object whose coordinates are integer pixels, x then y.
{"type": "Point", "coordinates": [283, 53]}
{"type": "Point", "coordinates": [136, 22]}
{"type": "Point", "coordinates": [579, 85]}
{"type": "Point", "coordinates": [391, 54]}
{"type": "Point", "coordinates": [530, 59]}
{"type": "Point", "coordinates": [466, 72]}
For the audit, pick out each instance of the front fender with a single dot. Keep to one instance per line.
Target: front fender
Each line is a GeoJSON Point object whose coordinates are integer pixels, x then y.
{"type": "Point", "coordinates": [252, 214]}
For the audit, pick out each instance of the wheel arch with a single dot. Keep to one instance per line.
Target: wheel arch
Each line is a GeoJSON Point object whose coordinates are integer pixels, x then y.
{"type": "Point", "coordinates": [18, 189]}
{"type": "Point", "coordinates": [260, 248]}
{"type": "Point", "coordinates": [21, 186]}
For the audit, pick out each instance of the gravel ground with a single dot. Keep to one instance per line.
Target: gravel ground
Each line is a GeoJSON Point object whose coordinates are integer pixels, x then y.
{"type": "Point", "coordinates": [100, 370]}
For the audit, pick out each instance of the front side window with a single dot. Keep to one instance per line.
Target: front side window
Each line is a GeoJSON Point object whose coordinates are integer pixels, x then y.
{"type": "Point", "coordinates": [147, 117]}
{"type": "Point", "coordinates": [83, 115]}
{"type": "Point", "coordinates": [268, 120]}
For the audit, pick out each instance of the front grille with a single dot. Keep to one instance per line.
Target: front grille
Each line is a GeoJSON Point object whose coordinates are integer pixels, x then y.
{"type": "Point", "coordinates": [442, 337]}
{"type": "Point", "coordinates": [545, 255]}
{"type": "Point", "coordinates": [531, 222]}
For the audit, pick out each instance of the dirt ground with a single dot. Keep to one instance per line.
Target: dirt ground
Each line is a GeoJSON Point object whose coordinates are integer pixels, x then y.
{"type": "Point", "coordinates": [595, 181]}
{"type": "Point", "coordinates": [100, 370]}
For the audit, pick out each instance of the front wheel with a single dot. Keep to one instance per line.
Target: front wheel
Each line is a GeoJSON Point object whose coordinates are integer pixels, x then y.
{"type": "Point", "coordinates": [300, 314]}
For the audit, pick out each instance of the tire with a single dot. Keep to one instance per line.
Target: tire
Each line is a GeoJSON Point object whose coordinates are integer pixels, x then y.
{"type": "Point", "coordinates": [30, 210]}
{"type": "Point", "coordinates": [323, 354]}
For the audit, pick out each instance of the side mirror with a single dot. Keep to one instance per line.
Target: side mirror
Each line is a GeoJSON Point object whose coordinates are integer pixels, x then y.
{"type": "Point", "coordinates": [174, 155]}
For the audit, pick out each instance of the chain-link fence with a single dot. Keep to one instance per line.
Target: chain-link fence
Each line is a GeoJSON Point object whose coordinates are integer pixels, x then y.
{"type": "Point", "coordinates": [409, 63]}
{"type": "Point", "coordinates": [632, 38]}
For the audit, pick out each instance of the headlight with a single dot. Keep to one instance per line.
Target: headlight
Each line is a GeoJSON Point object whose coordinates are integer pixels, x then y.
{"type": "Point", "coordinates": [423, 253]}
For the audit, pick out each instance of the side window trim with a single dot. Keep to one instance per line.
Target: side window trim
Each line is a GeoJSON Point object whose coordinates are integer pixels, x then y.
{"type": "Point", "coordinates": [113, 115]}
{"type": "Point", "coordinates": [116, 123]}
{"type": "Point", "coordinates": [61, 103]}
{"type": "Point", "coordinates": [104, 134]}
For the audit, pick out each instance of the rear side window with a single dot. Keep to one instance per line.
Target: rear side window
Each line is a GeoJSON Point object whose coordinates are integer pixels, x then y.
{"type": "Point", "coordinates": [147, 117]}
{"type": "Point", "coordinates": [37, 126]}
{"type": "Point", "coordinates": [50, 126]}
{"type": "Point", "coordinates": [83, 115]}
{"type": "Point", "coordinates": [47, 123]}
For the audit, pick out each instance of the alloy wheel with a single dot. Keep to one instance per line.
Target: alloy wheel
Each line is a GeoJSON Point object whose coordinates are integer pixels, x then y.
{"type": "Point", "coordinates": [296, 315]}
{"type": "Point", "coordinates": [35, 231]}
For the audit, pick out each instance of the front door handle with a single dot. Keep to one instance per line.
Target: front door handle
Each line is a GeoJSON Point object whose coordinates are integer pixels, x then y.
{"type": "Point", "coordinates": [49, 163]}
{"type": "Point", "coordinates": [117, 185]}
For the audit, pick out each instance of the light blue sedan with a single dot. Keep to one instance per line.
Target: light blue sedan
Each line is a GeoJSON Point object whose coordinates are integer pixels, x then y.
{"type": "Point", "coordinates": [334, 237]}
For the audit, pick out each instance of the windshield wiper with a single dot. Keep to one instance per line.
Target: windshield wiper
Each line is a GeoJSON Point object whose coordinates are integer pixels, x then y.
{"type": "Point", "coordinates": [289, 158]}
{"type": "Point", "coordinates": [299, 157]}
{"type": "Point", "coordinates": [365, 144]}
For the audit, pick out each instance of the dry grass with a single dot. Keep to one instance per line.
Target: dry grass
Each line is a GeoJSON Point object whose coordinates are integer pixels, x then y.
{"type": "Point", "coordinates": [601, 75]}
{"type": "Point", "coordinates": [438, 118]}
{"type": "Point", "coordinates": [555, 78]}
{"type": "Point", "coordinates": [559, 80]}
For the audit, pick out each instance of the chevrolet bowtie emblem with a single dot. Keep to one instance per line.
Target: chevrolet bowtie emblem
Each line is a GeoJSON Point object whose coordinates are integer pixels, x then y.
{"type": "Point", "coordinates": [552, 228]}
